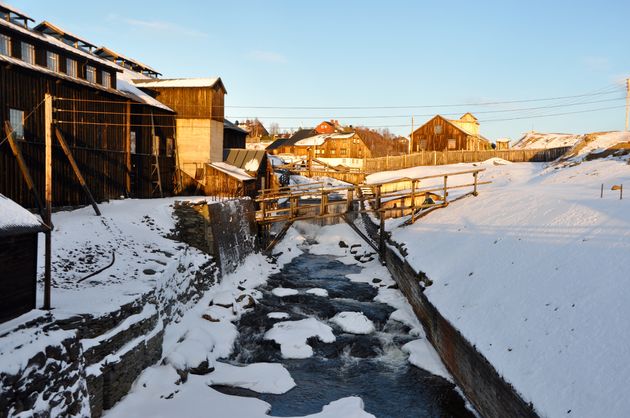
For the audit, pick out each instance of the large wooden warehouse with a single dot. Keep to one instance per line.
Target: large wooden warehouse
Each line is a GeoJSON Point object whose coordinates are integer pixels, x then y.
{"type": "Point", "coordinates": [122, 139]}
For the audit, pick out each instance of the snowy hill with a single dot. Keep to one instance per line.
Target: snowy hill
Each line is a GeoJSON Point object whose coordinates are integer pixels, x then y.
{"type": "Point", "coordinates": [600, 145]}
{"type": "Point", "coordinates": [537, 140]}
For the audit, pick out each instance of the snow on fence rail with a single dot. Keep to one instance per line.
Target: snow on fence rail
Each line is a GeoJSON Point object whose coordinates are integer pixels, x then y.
{"type": "Point", "coordinates": [373, 165]}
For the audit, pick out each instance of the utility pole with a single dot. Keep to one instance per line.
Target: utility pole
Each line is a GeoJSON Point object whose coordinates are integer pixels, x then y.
{"type": "Point", "coordinates": [627, 103]}
{"type": "Point", "coordinates": [48, 121]}
{"type": "Point", "coordinates": [411, 137]}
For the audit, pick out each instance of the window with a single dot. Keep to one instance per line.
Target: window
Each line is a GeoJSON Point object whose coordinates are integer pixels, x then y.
{"type": "Point", "coordinates": [28, 53]}
{"type": "Point", "coordinates": [156, 145]}
{"type": "Point", "coordinates": [5, 45]}
{"type": "Point", "coordinates": [423, 144]}
{"type": "Point", "coordinates": [169, 147]}
{"type": "Point", "coordinates": [437, 129]}
{"type": "Point", "coordinates": [452, 144]}
{"type": "Point", "coordinates": [106, 79]}
{"type": "Point", "coordinates": [132, 141]}
{"type": "Point", "coordinates": [332, 152]}
{"type": "Point", "coordinates": [52, 61]}
{"type": "Point", "coordinates": [343, 151]}
{"type": "Point", "coordinates": [71, 67]}
{"type": "Point", "coordinates": [90, 74]}
{"type": "Point", "coordinates": [16, 119]}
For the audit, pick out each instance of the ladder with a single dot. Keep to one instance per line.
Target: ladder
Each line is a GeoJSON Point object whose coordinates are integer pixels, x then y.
{"type": "Point", "coordinates": [156, 179]}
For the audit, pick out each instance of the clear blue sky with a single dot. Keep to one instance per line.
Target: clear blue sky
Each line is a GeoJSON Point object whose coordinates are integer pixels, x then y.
{"type": "Point", "coordinates": [378, 53]}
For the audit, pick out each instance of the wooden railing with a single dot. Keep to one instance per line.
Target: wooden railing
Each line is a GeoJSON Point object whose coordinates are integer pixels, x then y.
{"type": "Point", "coordinates": [397, 197]}
{"type": "Point", "coordinates": [373, 165]}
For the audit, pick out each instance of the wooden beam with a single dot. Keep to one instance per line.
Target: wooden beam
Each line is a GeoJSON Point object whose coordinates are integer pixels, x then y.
{"type": "Point", "coordinates": [128, 147]}
{"type": "Point", "coordinates": [48, 120]}
{"type": "Point", "coordinates": [17, 153]}
{"type": "Point", "coordinates": [75, 168]}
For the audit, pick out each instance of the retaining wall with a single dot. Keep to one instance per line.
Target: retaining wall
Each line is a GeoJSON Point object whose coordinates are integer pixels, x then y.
{"type": "Point", "coordinates": [82, 365]}
{"type": "Point", "coordinates": [491, 395]}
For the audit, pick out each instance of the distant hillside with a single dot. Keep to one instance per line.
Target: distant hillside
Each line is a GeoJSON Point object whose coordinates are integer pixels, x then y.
{"type": "Point", "coordinates": [541, 140]}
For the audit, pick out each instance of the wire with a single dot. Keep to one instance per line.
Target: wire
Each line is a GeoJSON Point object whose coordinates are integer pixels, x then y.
{"type": "Point", "coordinates": [23, 121]}
{"type": "Point", "coordinates": [612, 89]}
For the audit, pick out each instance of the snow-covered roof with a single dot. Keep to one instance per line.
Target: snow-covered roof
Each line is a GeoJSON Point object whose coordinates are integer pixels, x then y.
{"type": "Point", "coordinates": [14, 219]}
{"type": "Point", "coordinates": [179, 82]}
{"type": "Point", "coordinates": [125, 83]}
{"type": "Point", "coordinates": [319, 140]}
{"type": "Point", "coordinates": [57, 43]}
{"type": "Point", "coordinates": [237, 173]}
{"type": "Point", "coordinates": [106, 52]}
{"type": "Point", "coordinates": [51, 29]}
{"type": "Point", "coordinates": [531, 140]}
{"type": "Point", "coordinates": [13, 10]}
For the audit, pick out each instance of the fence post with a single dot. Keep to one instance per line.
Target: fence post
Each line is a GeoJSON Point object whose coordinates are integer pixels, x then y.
{"type": "Point", "coordinates": [445, 191]}
{"type": "Point", "coordinates": [475, 185]}
{"type": "Point", "coordinates": [413, 200]}
{"type": "Point", "coordinates": [434, 157]}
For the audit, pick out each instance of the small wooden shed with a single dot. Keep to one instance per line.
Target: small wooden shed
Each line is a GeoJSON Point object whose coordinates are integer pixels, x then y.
{"type": "Point", "coordinates": [18, 259]}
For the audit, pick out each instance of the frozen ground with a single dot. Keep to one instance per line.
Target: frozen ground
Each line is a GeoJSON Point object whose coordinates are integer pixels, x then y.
{"type": "Point", "coordinates": [535, 272]}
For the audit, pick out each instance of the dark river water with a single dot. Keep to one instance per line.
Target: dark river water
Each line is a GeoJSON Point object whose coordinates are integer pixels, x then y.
{"type": "Point", "coordinates": [369, 366]}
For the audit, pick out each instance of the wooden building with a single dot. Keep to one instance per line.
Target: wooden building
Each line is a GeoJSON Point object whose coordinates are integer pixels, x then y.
{"type": "Point", "coordinates": [120, 138]}
{"type": "Point", "coordinates": [328, 127]}
{"type": "Point", "coordinates": [502, 144]}
{"type": "Point", "coordinates": [233, 136]}
{"type": "Point", "coordinates": [242, 173]}
{"type": "Point", "coordinates": [18, 259]}
{"type": "Point", "coordinates": [439, 134]}
{"type": "Point", "coordinates": [198, 103]}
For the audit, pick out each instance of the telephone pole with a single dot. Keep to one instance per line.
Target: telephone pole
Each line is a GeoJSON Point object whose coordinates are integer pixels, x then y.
{"type": "Point", "coordinates": [627, 102]}
{"type": "Point", "coordinates": [411, 137]}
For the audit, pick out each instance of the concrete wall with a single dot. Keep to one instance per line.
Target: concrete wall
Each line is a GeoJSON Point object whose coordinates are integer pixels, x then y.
{"type": "Point", "coordinates": [491, 395]}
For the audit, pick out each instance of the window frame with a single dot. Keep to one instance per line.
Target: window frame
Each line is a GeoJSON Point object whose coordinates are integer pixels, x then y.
{"type": "Point", "coordinates": [29, 54]}
{"type": "Point", "coordinates": [90, 69]}
{"type": "Point", "coordinates": [105, 75]}
{"type": "Point", "coordinates": [72, 67]}
{"type": "Point", "coordinates": [5, 40]}
{"type": "Point", "coordinates": [18, 131]}
{"type": "Point", "coordinates": [52, 57]}
{"type": "Point", "coordinates": [453, 142]}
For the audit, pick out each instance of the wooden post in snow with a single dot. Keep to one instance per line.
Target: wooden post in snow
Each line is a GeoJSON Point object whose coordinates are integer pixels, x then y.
{"type": "Point", "coordinates": [445, 191]}
{"type": "Point", "coordinates": [48, 121]}
{"type": "Point", "coordinates": [128, 148]}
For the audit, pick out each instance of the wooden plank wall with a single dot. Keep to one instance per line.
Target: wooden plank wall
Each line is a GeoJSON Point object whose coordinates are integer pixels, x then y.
{"type": "Point", "coordinates": [94, 128]}
{"type": "Point", "coordinates": [373, 165]}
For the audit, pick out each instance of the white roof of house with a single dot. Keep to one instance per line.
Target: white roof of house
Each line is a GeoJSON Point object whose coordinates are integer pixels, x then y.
{"type": "Point", "coordinates": [318, 140]}
{"type": "Point", "coordinates": [15, 217]}
{"type": "Point", "coordinates": [237, 173]}
{"type": "Point", "coordinates": [179, 82]}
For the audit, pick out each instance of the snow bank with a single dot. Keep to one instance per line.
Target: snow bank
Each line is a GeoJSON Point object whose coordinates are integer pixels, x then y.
{"type": "Point", "coordinates": [534, 273]}
{"type": "Point", "coordinates": [292, 336]}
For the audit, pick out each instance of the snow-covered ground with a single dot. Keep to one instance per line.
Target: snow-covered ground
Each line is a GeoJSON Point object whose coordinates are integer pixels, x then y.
{"type": "Point", "coordinates": [131, 233]}
{"type": "Point", "coordinates": [535, 272]}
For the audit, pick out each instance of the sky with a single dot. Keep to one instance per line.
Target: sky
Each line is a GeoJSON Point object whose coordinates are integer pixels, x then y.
{"type": "Point", "coordinates": [377, 63]}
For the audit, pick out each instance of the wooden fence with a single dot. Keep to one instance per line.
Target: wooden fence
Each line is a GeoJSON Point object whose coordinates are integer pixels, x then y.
{"type": "Point", "coordinates": [373, 165]}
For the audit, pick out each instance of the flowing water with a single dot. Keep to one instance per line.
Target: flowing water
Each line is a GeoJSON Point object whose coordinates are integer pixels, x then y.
{"type": "Point", "coordinates": [370, 366]}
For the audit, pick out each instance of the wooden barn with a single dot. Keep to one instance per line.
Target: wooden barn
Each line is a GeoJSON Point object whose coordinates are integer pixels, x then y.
{"type": "Point", "coordinates": [18, 259]}
{"type": "Point", "coordinates": [120, 138]}
{"type": "Point", "coordinates": [243, 173]}
{"type": "Point", "coordinates": [233, 136]}
{"type": "Point", "coordinates": [440, 134]}
{"type": "Point", "coordinates": [198, 103]}
{"type": "Point", "coordinates": [287, 147]}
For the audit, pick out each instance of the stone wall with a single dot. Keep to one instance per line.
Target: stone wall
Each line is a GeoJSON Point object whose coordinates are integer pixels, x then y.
{"type": "Point", "coordinates": [225, 230]}
{"type": "Point", "coordinates": [491, 395]}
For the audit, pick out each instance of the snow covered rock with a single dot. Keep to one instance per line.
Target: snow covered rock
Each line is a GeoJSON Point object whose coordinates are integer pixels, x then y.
{"type": "Point", "coordinates": [259, 377]}
{"type": "Point", "coordinates": [423, 355]}
{"type": "Point", "coordinates": [318, 292]}
{"type": "Point", "coordinates": [283, 291]}
{"type": "Point", "coordinates": [353, 322]}
{"type": "Point", "coordinates": [292, 336]}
